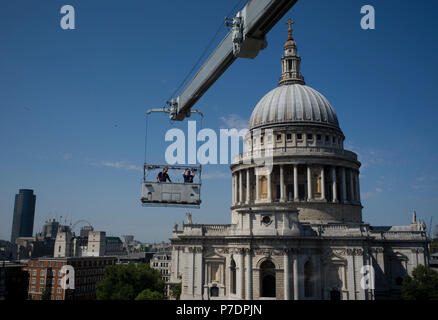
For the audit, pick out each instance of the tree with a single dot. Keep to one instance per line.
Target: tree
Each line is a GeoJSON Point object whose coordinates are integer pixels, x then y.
{"type": "Point", "coordinates": [423, 285]}
{"type": "Point", "coordinates": [149, 295]}
{"type": "Point", "coordinates": [45, 295]}
{"type": "Point", "coordinates": [126, 282]}
{"type": "Point", "coordinates": [176, 291]}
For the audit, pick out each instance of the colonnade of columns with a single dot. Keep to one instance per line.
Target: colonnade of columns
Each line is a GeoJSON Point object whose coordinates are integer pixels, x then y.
{"type": "Point", "coordinates": [347, 191]}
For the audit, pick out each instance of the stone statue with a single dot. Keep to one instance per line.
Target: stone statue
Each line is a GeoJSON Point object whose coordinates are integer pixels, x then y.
{"type": "Point", "coordinates": [189, 218]}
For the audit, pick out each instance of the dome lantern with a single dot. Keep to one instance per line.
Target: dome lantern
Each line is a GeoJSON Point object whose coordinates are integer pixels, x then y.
{"type": "Point", "coordinates": [290, 62]}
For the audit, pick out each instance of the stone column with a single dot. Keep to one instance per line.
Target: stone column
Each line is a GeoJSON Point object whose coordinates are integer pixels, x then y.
{"type": "Point", "coordinates": [309, 183]}
{"type": "Point", "coordinates": [322, 184]}
{"type": "Point", "coordinates": [334, 185]}
{"type": "Point", "coordinates": [191, 284]}
{"type": "Point", "coordinates": [351, 270]}
{"type": "Point", "coordinates": [234, 188]}
{"type": "Point", "coordinates": [344, 185]}
{"type": "Point", "coordinates": [248, 275]}
{"type": "Point", "coordinates": [198, 274]}
{"type": "Point", "coordinates": [352, 198]}
{"type": "Point", "coordinates": [240, 187]}
{"type": "Point", "coordinates": [239, 275]}
{"type": "Point", "coordinates": [282, 197]}
{"type": "Point", "coordinates": [257, 184]}
{"type": "Point", "coordinates": [295, 267]}
{"type": "Point", "coordinates": [295, 182]}
{"type": "Point", "coordinates": [269, 186]}
{"type": "Point", "coordinates": [358, 186]}
{"type": "Point", "coordinates": [286, 276]}
{"type": "Point", "coordinates": [228, 277]}
{"type": "Point", "coordinates": [248, 186]}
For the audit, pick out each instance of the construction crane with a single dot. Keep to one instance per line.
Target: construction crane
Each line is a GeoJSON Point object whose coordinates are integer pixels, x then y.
{"type": "Point", "coordinates": [245, 39]}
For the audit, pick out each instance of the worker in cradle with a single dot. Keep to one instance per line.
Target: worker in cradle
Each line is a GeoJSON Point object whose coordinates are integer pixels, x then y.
{"type": "Point", "coordinates": [188, 176]}
{"type": "Point", "coordinates": [163, 176]}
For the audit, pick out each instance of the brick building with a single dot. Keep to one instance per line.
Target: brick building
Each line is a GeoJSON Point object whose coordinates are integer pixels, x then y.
{"type": "Point", "coordinates": [45, 275]}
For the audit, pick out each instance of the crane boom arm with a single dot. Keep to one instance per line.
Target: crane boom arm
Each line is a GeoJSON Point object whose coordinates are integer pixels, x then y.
{"type": "Point", "coordinates": [244, 40]}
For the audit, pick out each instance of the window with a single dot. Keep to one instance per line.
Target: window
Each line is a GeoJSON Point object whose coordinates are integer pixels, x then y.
{"type": "Point", "coordinates": [308, 281]}
{"type": "Point", "coordinates": [299, 136]}
{"type": "Point", "coordinates": [33, 280]}
{"type": "Point", "coordinates": [334, 140]}
{"type": "Point", "coordinates": [309, 136]}
{"type": "Point", "coordinates": [233, 276]}
{"type": "Point", "coordinates": [318, 137]}
{"type": "Point", "coordinates": [34, 272]}
{"type": "Point", "coordinates": [289, 136]}
{"type": "Point", "coordinates": [278, 137]}
{"type": "Point", "coordinates": [42, 281]}
{"type": "Point", "coordinates": [59, 290]}
{"type": "Point", "coordinates": [59, 249]}
{"type": "Point", "coordinates": [215, 272]}
{"type": "Point", "coordinates": [261, 140]}
{"type": "Point", "coordinates": [42, 273]}
{"type": "Point", "coordinates": [267, 279]}
{"type": "Point", "coordinates": [327, 139]}
{"type": "Point", "coordinates": [214, 292]}
{"type": "Point", "coordinates": [263, 187]}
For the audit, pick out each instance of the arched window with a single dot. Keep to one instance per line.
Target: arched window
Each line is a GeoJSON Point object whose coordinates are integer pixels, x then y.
{"type": "Point", "coordinates": [233, 276]}
{"type": "Point", "coordinates": [308, 283]}
{"type": "Point", "coordinates": [267, 279]}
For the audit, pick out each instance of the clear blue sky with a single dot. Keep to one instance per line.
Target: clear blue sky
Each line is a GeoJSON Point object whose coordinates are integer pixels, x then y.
{"type": "Point", "coordinates": [72, 103]}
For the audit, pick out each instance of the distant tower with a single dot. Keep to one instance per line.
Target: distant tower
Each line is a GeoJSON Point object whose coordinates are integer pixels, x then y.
{"type": "Point", "coordinates": [85, 230]}
{"type": "Point", "coordinates": [50, 229]}
{"type": "Point", "coordinates": [63, 243]}
{"type": "Point", "coordinates": [96, 243]}
{"type": "Point", "coordinates": [24, 213]}
{"type": "Point", "coordinates": [414, 217]}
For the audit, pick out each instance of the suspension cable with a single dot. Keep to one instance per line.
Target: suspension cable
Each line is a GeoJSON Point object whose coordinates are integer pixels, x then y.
{"type": "Point", "coordinates": [206, 50]}
{"type": "Point", "coordinates": [146, 137]}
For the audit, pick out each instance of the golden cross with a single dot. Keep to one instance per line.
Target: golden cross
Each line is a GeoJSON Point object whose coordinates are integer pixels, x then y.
{"type": "Point", "coordinates": [290, 23]}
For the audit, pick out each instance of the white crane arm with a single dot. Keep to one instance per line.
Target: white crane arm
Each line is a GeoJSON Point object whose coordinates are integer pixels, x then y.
{"type": "Point", "coordinates": [245, 40]}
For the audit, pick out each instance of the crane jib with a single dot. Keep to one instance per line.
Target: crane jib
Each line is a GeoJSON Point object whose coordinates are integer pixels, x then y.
{"type": "Point", "coordinates": [245, 40]}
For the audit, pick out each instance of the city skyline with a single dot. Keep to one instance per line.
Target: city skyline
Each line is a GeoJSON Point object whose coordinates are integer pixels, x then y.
{"type": "Point", "coordinates": [72, 106]}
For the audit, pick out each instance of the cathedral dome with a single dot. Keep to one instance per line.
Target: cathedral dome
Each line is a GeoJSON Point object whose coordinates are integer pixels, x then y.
{"type": "Point", "coordinates": [293, 104]}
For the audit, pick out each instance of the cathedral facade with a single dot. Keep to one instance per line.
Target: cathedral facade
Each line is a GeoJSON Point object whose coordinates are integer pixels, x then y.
{"type": "Point", "coordinates": [296, 227]}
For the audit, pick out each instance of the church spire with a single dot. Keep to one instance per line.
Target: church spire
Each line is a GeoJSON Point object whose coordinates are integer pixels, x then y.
{"type": "Point", "coordinates": [290, 62]}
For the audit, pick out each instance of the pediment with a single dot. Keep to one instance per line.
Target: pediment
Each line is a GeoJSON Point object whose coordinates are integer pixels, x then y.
{"type": "Point", "coordinates": [214, 256]}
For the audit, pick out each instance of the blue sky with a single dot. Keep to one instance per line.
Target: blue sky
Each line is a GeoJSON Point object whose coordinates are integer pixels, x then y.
{"type": "Point", "coordinates": [72, 103]}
